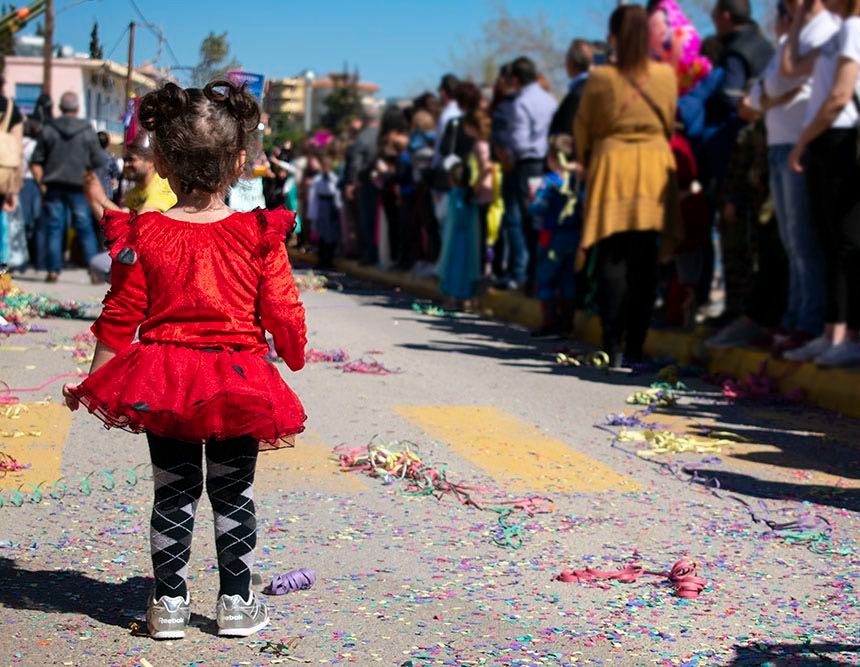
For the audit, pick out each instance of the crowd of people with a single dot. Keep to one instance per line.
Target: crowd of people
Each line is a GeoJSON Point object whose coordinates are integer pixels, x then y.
{"type": "Point", "coordinates": [672, 169]}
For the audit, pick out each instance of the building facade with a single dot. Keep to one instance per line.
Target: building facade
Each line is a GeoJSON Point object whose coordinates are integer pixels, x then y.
{"type": "Point", "coordinates": [284, 102]}
{"type": "Point", "coordinates": [100, 85]}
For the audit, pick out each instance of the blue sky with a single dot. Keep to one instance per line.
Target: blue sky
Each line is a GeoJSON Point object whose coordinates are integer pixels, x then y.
{"type": "Point", "coordinates": [400, 44]}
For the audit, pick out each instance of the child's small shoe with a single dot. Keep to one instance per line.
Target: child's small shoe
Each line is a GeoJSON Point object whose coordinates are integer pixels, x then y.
{"type": "Point", "coordinates": [241, 618]}
{"type": "Point", "coordinates": [167, 617]}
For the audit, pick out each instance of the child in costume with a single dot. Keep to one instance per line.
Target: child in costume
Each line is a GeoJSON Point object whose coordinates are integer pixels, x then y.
{"type": "Point", "coordinates": [675, 41]}
{"type": "Point", "coordinates": [325, 207]}
{"type": "Point", "coordinates": [557, 205]}
{"type": "Point", "coordinates": [202, 283]}
{"type": "Point", "coordinates": [460, 261]}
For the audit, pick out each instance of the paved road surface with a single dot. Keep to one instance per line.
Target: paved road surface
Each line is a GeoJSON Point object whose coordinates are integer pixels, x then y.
{"type": "Point", "coordinates": [412, 580]}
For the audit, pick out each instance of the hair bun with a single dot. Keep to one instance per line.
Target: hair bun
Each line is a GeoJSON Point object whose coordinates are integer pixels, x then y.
{"type": "Point", "coordinates": [240, 104]}
{"type": "Point", "coordinates": [163, 105]}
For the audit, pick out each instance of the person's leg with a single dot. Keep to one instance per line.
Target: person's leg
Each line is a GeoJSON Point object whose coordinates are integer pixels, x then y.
{"type": "Point", "coordinates": [513, 223]}
{"type": "Point", "coordinates": [367, 214]}
{"type": "Point", "coordinates": [54, 219]}
{"type": "Point", "coordinates": [529, 171]}
{"type": "Point", "coordinates": [611, 276]}
{"type": "Point", "coordinates": [177, 472]}
{"type": "Point", "coordinates": [780, 181]}
{"type": "Point", "coordinates": [82, 219]}
{"type": "Point", "coordinates": [807, 255]}
{"type": "Point", "coordinates": [230, 468]}
{"type": "Point", "coordinates": [640, 251]}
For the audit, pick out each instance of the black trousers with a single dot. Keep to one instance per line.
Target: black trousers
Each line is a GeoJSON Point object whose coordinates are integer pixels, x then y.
{"type": "Point", "coordinates": [626, 288]}
{"type": "Point", "coordinates": [834, 191]}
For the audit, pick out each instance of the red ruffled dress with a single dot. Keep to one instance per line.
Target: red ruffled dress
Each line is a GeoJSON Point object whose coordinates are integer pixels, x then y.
{"type": "Point", "coordinates": [203, 296]}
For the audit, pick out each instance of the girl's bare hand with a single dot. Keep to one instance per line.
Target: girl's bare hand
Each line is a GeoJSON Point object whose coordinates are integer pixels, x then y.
{"type": "Point", "coordinates": [72, 403]}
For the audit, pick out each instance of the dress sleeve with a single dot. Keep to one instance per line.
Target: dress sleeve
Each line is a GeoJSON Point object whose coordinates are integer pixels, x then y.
{"type": "Point", "coordinates": [127, 302]}
{"type": "Point", "coordinates": [281, 312]}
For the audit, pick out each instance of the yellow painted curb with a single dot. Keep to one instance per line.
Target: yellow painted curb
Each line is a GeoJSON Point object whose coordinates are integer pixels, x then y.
{"type": "Point", "coordinates": [837, 389]}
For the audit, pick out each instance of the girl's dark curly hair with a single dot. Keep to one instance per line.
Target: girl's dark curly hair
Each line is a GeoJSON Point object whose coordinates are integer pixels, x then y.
{"type": "Point", "coordinates": [198, 134]}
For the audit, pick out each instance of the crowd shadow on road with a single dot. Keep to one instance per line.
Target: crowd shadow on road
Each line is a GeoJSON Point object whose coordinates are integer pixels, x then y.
{"type": "Point", "coordinates": [792, 441]}
{"type": "Point", "coordinates": [792, 655]}
{"type": "Point", "coordinates": [464, 333]}
{"type": "Point", "coordinates": [798, 439]}
{"type": "Point", "coordinates": [73, 592]}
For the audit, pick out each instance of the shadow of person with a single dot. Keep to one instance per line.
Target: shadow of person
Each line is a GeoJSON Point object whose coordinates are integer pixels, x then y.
{"type": "Point", "coordinates": [796, 655]}
{"type": "Point", "coordinates": [72, 592]}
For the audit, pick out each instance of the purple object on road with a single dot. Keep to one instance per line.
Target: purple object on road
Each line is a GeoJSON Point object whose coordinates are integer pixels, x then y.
{"type": "Point", "coordinates": [295, 580]}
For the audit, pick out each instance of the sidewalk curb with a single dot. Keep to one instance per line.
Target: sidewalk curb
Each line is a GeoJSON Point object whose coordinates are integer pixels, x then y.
{"type": "Point", "coordinates": [836, 389]}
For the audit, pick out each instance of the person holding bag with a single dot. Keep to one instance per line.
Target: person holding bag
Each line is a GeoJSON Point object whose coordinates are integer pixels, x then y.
{"type": "Point", "coordinates": [622, 131]}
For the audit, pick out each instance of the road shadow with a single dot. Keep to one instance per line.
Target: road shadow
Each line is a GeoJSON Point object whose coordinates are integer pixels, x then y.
{"type": "Point", "coordinates": [73, 592]}
{"type": "Point", "coordinates": [792, 655]}
{"type": "Point", "coordinates": [473, 335]}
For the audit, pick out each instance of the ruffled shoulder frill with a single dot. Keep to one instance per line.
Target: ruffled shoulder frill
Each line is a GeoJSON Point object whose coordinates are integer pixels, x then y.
{"type": "Point", "coordinates": [275, 225]}
{"type": "Point", "coordinates": [120, 232]}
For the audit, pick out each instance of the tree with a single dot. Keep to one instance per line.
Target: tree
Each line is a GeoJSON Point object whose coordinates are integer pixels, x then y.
{"type": "Point", "coordinates": [504, 37]}
{"type": "Point", "coordinates": [215, 60]}
{"type": "Point", "coordinates": [96, 50]}
{"type": "Point", "coordinates": [342, 104]}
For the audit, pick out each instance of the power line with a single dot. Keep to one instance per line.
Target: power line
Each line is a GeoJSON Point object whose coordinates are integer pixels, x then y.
{"type": "Point", "coordinates": [118, 42]}
{"type": "Point", "coordinates": [158, 31]}
{"type": "Point", "coordinates": [73, 5]}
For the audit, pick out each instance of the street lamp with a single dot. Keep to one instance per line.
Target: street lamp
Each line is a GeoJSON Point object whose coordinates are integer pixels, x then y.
{"type": "Point", "coordinates": [309, 77]}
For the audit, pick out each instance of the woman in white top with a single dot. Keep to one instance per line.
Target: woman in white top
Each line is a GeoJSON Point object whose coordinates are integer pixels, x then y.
{"type": "Point", "coordinates": [783, 96]}
{"type": "Point", "coordinates": [829, 144]}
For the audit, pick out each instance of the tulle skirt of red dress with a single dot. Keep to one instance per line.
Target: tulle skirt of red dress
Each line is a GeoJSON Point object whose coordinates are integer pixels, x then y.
{"type": "Point", "coordinates": [194, 395]}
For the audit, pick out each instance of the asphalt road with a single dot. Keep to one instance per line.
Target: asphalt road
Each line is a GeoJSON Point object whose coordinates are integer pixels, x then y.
{"type": "Point", "coordinates": [406, 579]}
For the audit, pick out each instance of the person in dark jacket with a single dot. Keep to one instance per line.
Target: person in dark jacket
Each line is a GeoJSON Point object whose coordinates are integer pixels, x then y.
{"type": "Point", "coordinates": [67, 148]}
{"type": "Point", "coordinates": [578, 61]}
{"type": "Point", "coordinates": [743, 56]}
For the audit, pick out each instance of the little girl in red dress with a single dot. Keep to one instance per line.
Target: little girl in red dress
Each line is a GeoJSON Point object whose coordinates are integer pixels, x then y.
{"type": "Point", "coordinates": [202, 284]}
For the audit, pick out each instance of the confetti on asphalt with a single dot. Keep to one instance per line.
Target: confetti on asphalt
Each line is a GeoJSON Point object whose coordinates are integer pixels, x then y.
{"type": "Point", "coordinates": [313, 356]}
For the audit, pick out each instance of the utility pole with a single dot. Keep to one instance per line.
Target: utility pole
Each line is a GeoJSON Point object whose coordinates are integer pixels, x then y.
{"type": "Point", "coordinates": [130, 71]}
{"type": "Point", "coordinates": [48, 51]}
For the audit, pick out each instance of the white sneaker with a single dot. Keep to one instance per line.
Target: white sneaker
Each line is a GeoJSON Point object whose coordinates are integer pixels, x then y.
{"type": "Point", "coordinates": [240, 618]}
{"type": "Point", "coordinates": [846, 353]}
{"type": "Point", "coordinates": [812, 350]}
{"type": "Point", "coordinates": [167, 617]}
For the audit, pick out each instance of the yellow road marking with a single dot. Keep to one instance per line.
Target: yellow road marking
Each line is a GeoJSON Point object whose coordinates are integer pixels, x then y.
{"type": "Point", "coordinates": [43, 452]}
{"type": "Point", "coordinates": [310, 466]}
{"type": "Point", "coordinates": [512, 452]}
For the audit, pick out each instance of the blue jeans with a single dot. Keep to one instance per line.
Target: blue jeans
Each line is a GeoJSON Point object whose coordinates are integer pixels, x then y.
{"type": "Point", "coordinates": [515, 197]}
{"type": "Point", "coordinates": [805, 310]}
{"type": "Point", "coordinates": [58, 203]}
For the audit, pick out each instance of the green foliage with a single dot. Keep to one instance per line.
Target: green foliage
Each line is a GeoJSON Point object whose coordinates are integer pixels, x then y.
{"type": "Point", "coordinates": [96, 49]}
{"type": "Point", "coordinates": [342, 105]}
{"type": "Point", "coordinates": [215, 60]}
